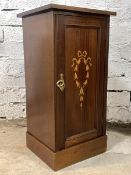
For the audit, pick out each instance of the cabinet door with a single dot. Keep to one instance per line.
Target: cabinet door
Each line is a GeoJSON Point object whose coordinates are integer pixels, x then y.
{"type": "Point", "coordinates": [81, 56]}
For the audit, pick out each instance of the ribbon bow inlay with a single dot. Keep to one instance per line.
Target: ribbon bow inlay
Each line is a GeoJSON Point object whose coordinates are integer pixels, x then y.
{"type": "Point", "coordinates": [81, 56]}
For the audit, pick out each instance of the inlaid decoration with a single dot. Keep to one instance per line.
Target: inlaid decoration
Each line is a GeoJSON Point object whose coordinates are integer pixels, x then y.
{"type": "Point", "coordinates": [81, 58]}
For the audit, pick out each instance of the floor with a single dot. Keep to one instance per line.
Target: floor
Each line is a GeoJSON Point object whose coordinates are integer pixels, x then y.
{"type": "Point", "coordinates": [16, 159]}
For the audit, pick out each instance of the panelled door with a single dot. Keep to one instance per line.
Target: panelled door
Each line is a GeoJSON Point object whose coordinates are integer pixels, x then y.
{"type": "Point", "coordinates": [81, 67]}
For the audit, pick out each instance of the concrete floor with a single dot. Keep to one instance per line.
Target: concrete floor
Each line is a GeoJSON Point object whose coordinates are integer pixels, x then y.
{"type": "Point", "coordinates": [16, 159]}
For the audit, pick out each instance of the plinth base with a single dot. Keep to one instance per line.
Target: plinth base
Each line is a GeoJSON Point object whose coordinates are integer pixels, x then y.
{"type": "Point", "coordinates": [68, 156]}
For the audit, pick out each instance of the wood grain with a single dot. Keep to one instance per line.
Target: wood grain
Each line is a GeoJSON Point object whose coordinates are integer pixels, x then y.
{"type": "Point", "coordinates": [59, 130]}
{"type": "Point", "coordinates": [68, 156]}
{"type": "Point", "coordinates": [78, 33]}
{"type": "Point", "coordinates": [57, 7]}
{"type": "Point", "coordinates": [39, 72]}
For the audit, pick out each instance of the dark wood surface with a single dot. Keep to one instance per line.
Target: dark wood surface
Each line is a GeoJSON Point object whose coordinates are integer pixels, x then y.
{"type": "Point", "coordinates": [39, 72]}
{"type": "Point", "coordinates": [59, 64]}
{"type": "Point", "coordinates": [49, 7]}
{"type": "Point", "coordinates": [73, 34]}
{"type": "Point", "coordinates": [106, 35]}
{"type": "Point", "coordinates": [69, 156]}
{"type": "Point", "coordinates": [57, 121]}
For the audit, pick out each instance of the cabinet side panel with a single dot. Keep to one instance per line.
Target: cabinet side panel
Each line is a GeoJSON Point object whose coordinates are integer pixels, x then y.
{"type": "Point", "coordinates": [39, 72]}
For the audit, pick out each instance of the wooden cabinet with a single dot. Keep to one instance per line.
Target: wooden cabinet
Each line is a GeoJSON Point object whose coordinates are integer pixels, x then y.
{"type": "Point", "coordinates": [66, 60]}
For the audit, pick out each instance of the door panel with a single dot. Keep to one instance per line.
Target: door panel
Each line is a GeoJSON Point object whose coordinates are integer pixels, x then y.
{"type": "Point", "coordinates": [82, 41]}
{"type": "Point", "coordinates": [80, 72]}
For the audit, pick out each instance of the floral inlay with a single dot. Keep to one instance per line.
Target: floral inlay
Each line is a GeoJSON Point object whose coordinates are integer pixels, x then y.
{"type": "Point", "coordinates": [81, 59]}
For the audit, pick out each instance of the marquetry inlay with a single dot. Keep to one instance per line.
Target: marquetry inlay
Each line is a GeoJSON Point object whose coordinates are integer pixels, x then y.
{"type": "Point", "coordinates": [81, 59]}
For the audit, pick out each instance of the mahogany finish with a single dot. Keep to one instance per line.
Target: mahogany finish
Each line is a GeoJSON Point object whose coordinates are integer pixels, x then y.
{"type": "Point", "coordinates": [68, 156]}
{"type": "Point", "coordinates": [70, 44]}
{"type": "Point", "coordinates": [57, 7]}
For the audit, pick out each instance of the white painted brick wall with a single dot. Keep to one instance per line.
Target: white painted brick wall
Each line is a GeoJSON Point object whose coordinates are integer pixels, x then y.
{"type": "Point", "coordinates": [1, 35]}
{"type": "Point", "coordinates": [118, 99]}
{"type": "Point", "coordinates": [12, 82]}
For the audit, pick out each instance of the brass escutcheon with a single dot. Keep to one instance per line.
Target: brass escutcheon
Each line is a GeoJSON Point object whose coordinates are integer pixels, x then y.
{"type": "Point", "coordinates": [61, 83]}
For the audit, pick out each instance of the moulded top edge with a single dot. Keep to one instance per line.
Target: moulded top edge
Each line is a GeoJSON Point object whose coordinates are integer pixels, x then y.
{"type": "Point", "coordinates": [48, 7]}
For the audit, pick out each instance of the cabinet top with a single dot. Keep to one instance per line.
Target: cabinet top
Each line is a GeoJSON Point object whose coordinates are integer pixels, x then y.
{"type": "Point", "coordinates": [57, 7]}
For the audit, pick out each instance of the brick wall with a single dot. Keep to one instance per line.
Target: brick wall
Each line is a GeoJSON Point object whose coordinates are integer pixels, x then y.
{"type": "Point", "coordinates": [12, 83]}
